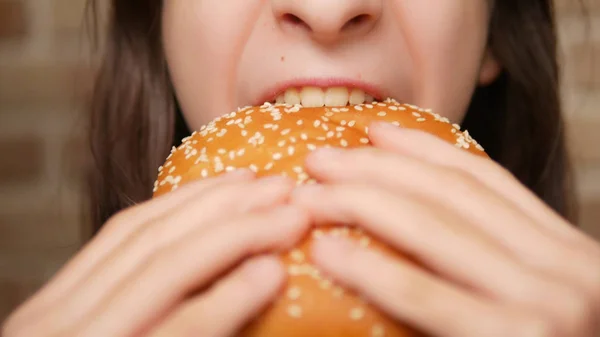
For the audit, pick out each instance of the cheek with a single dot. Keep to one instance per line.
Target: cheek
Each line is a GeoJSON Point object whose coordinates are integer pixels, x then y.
{"type": "Point", "coordinates": [447, 40]}
{"type": "Point", "coordinates": [203, 40]}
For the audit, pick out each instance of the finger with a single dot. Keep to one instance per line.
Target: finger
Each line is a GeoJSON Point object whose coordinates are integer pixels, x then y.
{"type": "Point", "coordinates": [447, 188]}
{"type": "Point", "coordinates": [409, 294]}
{"type": "Point", "coordinates": [114, 233]}
{"type": "Point", "coordinates": [438, 239]}
{"type": "Point", "coordinates": [571, 261]}
{"type": "Point", "coordinates": [250, 287]}
{"type": "Point", "coordinates": [219, 203]}
{"type": "Point", "coordinates": [436, 151]}
{"type": "Point", "coordinates": [190, 264]}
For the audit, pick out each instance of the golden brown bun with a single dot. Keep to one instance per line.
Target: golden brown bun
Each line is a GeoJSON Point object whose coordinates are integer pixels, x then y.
{"type": "Point", "coordinates": [275, 139]}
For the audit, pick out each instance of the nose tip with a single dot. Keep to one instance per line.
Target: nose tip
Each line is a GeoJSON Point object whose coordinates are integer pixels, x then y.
{"type": "Point", "coordinates": [328, 21]}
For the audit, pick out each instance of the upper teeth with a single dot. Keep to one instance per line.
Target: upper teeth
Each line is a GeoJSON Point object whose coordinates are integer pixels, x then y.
{"type": "Point", "coordinates": [318, 97]}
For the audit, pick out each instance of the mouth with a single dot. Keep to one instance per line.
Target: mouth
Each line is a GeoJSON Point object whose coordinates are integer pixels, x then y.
{"type": "Point", "coordinates": [320, 93]}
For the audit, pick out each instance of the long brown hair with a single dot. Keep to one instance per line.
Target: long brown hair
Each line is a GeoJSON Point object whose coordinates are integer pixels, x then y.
{"type": "Point", "coordinates": [135, 119]}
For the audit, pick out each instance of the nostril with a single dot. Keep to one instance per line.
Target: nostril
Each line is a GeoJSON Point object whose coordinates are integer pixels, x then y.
{"type": "Point", "coordinates": [357, 20]}
{"type": "Point", "coordinates": [293, 20]}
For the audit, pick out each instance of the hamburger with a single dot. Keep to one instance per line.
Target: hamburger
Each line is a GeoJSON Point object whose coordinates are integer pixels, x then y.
{"type": "Point", "coordinates": [274, 139]}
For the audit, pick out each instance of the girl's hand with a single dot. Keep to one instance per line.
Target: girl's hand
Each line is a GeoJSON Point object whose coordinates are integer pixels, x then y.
{"type": "Point", "coordinates": [503, 263]}
{"type": "Point", "coordinates": [158, 268]}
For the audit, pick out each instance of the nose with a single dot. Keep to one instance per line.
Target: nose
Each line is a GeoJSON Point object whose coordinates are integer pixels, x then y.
{"type": "Point", "coordinates": [328, 21]}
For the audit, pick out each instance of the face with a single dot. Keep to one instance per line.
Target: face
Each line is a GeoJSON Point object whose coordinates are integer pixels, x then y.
{"type": "Point", "coordinates": [226, 54]}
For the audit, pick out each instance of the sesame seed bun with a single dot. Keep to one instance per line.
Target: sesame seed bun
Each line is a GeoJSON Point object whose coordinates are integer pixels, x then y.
{"type": "Point", "coordinates": [274, 139]}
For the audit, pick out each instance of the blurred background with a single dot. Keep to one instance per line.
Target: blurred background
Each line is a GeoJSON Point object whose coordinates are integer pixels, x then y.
{"type": "Point", "coordinates": [45, 71]}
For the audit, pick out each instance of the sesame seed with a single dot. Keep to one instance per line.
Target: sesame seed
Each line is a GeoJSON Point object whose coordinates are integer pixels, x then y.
{"type": "Point", "coordinates": [291, 150]}
{"type": "Point", "coordinates": [381, 113]}
{"type": "Point", "coordinates": [294, 311]}
{"type": "Point", "coordinates": [377, 331]}
{"type": "Point", "coordinates": [364, 242]}
{"type": "Point", "coordinates": [358, 107]}
{"type": "Point", "coordinates": [421, 119]}
{"type": "Point", "coordinates": [351, 123]}
{"type": "Point", "coordinates": [277, 156]}
{"type": "Point", "coordinates": [357, 313]}
{"type": "Point", "coordinates": [344, 143]}
{"type": "Point", "coordinates": [297, 255]}
{"type": "Point", "coordinates": [364, 140]}
{"type": "Point", "coordinates": [325, 284]}
{"type": "Point", "coordinates": [269, 166]}
{"type": "Point", "coordinates": [281, 143]}
{"type": "Point", "coordinates": [317, 123]}
{"type": "Point", "coordinates": [303, 136]}
{"type": "Point", "coordinates": [294, 293]}
{"type": "Point", "coordinates": [311, 147]}
{"type": "Point", "coordinates": [294, 270]}
{"type": "Point", "coordinates": [338, 292]}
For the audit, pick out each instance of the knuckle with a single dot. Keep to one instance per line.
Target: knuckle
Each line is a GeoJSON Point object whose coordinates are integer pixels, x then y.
{"type": "Point", "coordinates": [577, 311]}
{"type": "Point", "coordinates": [11, 328]}
{"type": "Point", "coordinates": [407, 286]}
{"type": "Point", "coordinates": [457, 181]}
{"type": "Point", "coordinates": [535, 325]}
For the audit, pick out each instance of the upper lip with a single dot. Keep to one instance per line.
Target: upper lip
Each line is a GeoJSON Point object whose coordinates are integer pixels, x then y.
{"type": "Point", "coordinates": [279, 88]}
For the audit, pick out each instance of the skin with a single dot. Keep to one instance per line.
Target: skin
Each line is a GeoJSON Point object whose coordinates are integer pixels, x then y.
{"type": "Point", "coordinates": [166, 267]}
{"type": "Point", "coordinates": [434, 51]}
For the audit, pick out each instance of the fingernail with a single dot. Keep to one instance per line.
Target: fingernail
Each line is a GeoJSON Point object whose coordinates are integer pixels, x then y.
{"type": "Point", "coordinates": [386, 127]}
{"type": "Point", "coordinates": [261, 267]}
{"type": "Point", "coordinates": [241, 172]}
{"type": "Point", "coordinates": [326, 155]}
{"type": "Point", "coordinates": [274, 180]}
{"type": "Point", "coordinates": [330, 248]}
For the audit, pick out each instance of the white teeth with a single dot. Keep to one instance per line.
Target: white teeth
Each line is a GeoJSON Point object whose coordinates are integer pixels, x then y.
{"type": "Point", "coordinates": [312, 97]}
{"type": "Point", "coordinates": [317, 97]}
{"type": "Point", "coordinates": [357, 97]}
{"type": "Point", "coordinates": [292, 96]}
{"type": "Point", "coordinates": [337, 96]}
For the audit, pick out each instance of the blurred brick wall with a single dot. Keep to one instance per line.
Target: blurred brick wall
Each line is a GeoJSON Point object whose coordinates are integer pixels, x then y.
{"type": "Point", "coordinates": [42, 54]}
